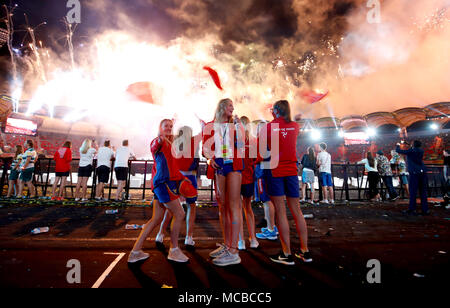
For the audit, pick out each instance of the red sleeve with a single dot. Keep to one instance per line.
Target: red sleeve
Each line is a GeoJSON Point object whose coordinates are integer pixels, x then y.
{"type": "Point", "coordinates": [155, 145]}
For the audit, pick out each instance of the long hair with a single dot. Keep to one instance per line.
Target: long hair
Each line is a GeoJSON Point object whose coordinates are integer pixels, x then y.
{"type": "Point", "coordinates": [370, 159]}
{"type": "Point", "coordinates": [220, 110]}
{"type": "Point", "coordinates": [311, 154]}
{"type": "Point", "coordinates": [160, 128]}
{"type": "Point", "coordinates": [283, 110]}
{"type": "Point", "coordinates": [67, 144]}
{"type": "Point", "coordinates": [184, 137]}
{"type": "Point", "coordinates": [85, 146]}
{"type": "Point", "coordinates": [19, 150]}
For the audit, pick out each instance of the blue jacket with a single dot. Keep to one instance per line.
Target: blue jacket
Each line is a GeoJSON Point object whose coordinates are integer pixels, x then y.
{"type": "Point", "coordinates": [414, 159]}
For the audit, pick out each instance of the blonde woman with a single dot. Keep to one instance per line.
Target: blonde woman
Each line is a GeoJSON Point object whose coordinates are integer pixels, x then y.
{"type": "Point", "coordinates": [87, 153]}
{"type": "Point", "coordinates": [223, 146]}
{"type": "Point", "coordinates": [14, 174]}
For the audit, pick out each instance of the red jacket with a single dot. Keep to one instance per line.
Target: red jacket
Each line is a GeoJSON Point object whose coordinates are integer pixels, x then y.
{"type": "Point", "coordinates": [208, 149]}
{"type": "Point", "coordinates": [249, 163]}
{"type": "Point", "coordinates": [63, 157]}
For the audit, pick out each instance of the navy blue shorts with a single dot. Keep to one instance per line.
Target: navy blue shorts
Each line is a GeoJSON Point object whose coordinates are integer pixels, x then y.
{"type": "Point", "coordinates": [247, 190]}
{"type": "Point", "coordinates": [225, 168]}
{"type": "Point", "coordinates": [288, 186]}
{"type": "Point", "coordinates": [166, 192]}
{"type": "Point", "coordinates": [325, 179]}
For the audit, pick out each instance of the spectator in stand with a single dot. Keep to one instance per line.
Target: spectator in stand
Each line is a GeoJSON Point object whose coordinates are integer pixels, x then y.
{"type": "Point", "coordinates": [14, 174]}
{"type": "Point", "coordinates": [417, 177]}
{"type": "Point", "coordinates": [373, 177]}
{"type": "Point", "coordinates": [104, 156]}
{"type": "Point", "coordinates": [309, 165]}
{"type": "Point", "coordinates": [123, 154]}
{"type": "Point", "coordinates": [87, 153]}
{"type": "Point", "coordinates": [324, 163]}
{"type": "Point", "coordinates": [62, 157]}
{"type": "Point", "coordinates": [385, 171]}
{"type": "Point", "coordinates": [27, 170]}
{"type": "Point", "coordinates": [403, 174]}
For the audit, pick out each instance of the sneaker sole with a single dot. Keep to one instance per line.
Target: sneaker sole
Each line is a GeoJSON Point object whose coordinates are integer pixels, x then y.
{"type": "Point", "coordinates": [141, 259]}
{"type": "Point", "coordinates": [267, 238]}
{"type": "Point", "coordinates": [282, 262]}
{"type": "Point", "coordinates": [178, 261]}
{"type": "Point", "coordinates": [229, 263]}
{"type": "Point", "coordinates": [303, 259]}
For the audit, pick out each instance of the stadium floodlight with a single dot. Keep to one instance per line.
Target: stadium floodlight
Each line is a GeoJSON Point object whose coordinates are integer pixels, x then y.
{"type": "Point", "coordinates": [316, 134]}
{"type": "Point", "coordinates": [341, 134]}
{"type": "Point", "coordinates": [371, 131]}
{"type": "Point", "coordinates": [434, 126]}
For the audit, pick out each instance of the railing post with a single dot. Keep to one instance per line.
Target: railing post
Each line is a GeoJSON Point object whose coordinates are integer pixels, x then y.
{"type": "Point", "coordinates": [145, 179]}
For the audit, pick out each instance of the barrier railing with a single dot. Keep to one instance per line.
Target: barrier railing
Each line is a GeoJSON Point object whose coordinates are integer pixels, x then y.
{"type": "Point", "coordinates": [349, 180]}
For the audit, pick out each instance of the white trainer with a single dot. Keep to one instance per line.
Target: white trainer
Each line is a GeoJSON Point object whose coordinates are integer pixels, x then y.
{"type": "Point", "coordinates": [136, 256]}
{"type": "Point", "coordinates": [227, 258]}
{"type": "Point", "coordinates": [189, 241]}
{"type": "Point", "coordinates": [175, 254]}
{"type": "Point", "coordinates": [159, 238]}
{"type": "Point", "coordinates": [241, 245]}
{"type": "Point", "coordinates": [217, 252]}
{"type": "Point", "coordinates": [254, 244]}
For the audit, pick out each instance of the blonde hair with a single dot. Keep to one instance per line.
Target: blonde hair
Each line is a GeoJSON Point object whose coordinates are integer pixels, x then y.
{"type": "Point", "coordinates": [87, 143]}
{"type": "Point", "coordinates": [19, 150]}
{"type": "Point", "coordinates": [220, 110]}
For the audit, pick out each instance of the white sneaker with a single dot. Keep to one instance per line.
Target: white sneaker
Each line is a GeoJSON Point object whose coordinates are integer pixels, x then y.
{"type": "Point", "coordinates": [217, 252]}
{"type": "Point", "coordinates": [77, 199]}
{"type": "Point", "coordinates": [324, 201]}
{"type": "Point", "coordinates": [189, 241]}
{"type": "Point", "coordinates": [159, 238]}
{"type": "Point", "coordinates": [254, 244]}
{"type": "Point", "coordinates": [227, 258]}
{"type": "Point", "coordinates": [137, 256]}
{"type": "Point", "coordinates": [447, 207]}
{"type": "Point", "coordinates": [332, 202]}
{"type": "Point", "coordinates": [175, 254]}
{"type": "Point", "coordinates": [84, 199]}
{"type": "Point", "coordinates": [241, 245]}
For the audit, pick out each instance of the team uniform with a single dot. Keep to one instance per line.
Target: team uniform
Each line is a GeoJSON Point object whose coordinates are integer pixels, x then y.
{"type": "Point", "coordinates": [225, 148]}
{"type": "Point", "coordinates": [167, 181]}
{"type": "Point", "coordinates": [248, 174]}
{"type": "Point", "coordinates": [85, 165]}
{"type": "Point", "coordinates": [123, 154]}
{"type": "Point", "coordinates": [62, 157]}
{"type": "Point", "coordinates": [14, 174]}
{"type": "Point", "coordinates": [26, 175]}
{"type": "Point", "coordinates": [188, 166]}
{"type": "Point", "coordinates": [283, 179]}
{"type": "Point", "coordinates": [104, 156]}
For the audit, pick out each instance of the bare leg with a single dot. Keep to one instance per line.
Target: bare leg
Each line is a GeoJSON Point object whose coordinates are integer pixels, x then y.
{"type": "Point", "coordinates": [19, 193]}
{"type": "Point", "coordinates": [190, 220]}
{"type": "Point", "coordinates": [303, 191]}
{"type": "Point", "coordinates": [178, 216]}
{"type": "Point", "coordinates": [269, 211]}
{"type": "Point", "coordinates": [282, 223]}
{"type": "Point", "coordinates": [62, 190]}
{"type": "Point", "coordinates": [165, 223]}
{"type": "Point", "coordinates": [158, 212]}
{"type": "Point", "coordinates": [120, 186]}
{"type": "Point", "coordinates": [221, 198]}
{"type": "Point", "coordinates": [31, 192]}
{"type": "Point", "coordinates": [78, 188]}
{"type": "Point", "coordinates": [300, 223]}
{"type": "Point", "coordinates": [11, 186]}
{"type": "Point", "coordinates": [84, 186]}
{"type": "Point", "coordinates": [55, 185]}
{"type": "Point", "coordinates": [249, 217]}
{"type": "Point", "coordinates": [233, 181]}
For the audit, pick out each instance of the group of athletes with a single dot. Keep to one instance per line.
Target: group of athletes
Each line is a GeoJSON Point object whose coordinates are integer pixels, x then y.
{"type": "Point", "coordinates": [231, 163]}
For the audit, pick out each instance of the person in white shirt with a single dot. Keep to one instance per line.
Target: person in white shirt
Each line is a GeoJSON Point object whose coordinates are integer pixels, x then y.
{"type": "Point", "coordinates": [123, 154]}
{"type": "Point", "coordinates": [104, 156]}
{"type": "Point", "coordinates": [87, 153]}
{"type": "Point", "coordinates": [27, 170]}
{"type": "Point", "coordinates": [372, 176]}
{"type": "Point", "coordinates": [324, 163]}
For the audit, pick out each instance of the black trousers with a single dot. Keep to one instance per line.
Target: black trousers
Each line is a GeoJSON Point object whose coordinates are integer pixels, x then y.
{"type": "Point", "coordinates": [418, 182]}
{"type": "Point", "coordinates": [373, 178]}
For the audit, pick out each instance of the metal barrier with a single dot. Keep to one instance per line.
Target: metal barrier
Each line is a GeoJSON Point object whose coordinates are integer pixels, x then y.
{"type": "Point", "coordinates": [349, 180]}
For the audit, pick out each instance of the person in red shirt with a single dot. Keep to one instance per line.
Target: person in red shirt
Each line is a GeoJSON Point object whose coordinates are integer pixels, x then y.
{"type": "Point", "coordinates": [167, 184]}
{"type": "Point", "coordinates": [187, 158]}
{"type": "Point", "coordinates": [62, 157]}
{"type": "Point", "coordinates": [223, 145]}
{"type": "Point", "coordinates": [283, 181]}
{"type": "Point", "coordinates": [248, 188]}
